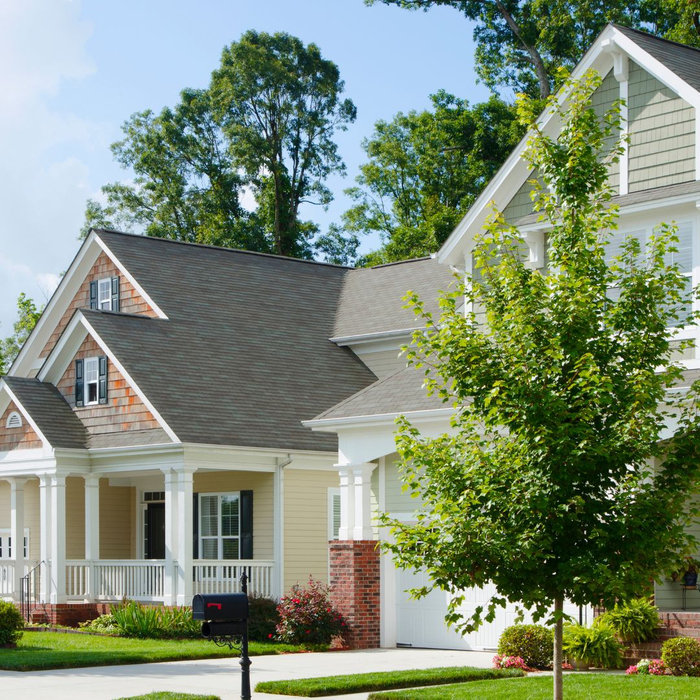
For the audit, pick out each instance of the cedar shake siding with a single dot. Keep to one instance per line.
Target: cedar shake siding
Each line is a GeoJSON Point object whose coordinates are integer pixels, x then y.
{"type": "Point", "coordinates": [124, 410]}
{"type": "Point", "coordinates": [22, 438]}
{"type": "Point", "coordinates": [130, 301]}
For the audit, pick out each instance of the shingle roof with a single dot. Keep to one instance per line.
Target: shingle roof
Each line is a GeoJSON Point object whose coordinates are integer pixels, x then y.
{"type": "Point", "coordinates": [50, 411]}
{"type": "Point", "coordinates": [372, 298]}
{"type": "Point", "coordinates": [398, 393]}
{"type": "Point", "coordinates": [626, 200]}
{"type": "Point", "coordinates": [245, 354]}
{"type": "Point", "coordinates": [683, 60]}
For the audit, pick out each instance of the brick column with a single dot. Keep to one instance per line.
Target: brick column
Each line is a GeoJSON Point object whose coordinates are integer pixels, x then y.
{"type": "Point", "coordinates": [355, 587]}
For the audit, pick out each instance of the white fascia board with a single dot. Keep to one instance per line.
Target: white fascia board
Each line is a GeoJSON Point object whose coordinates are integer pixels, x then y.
{"type": "Point", "coordinates": [332, 425]}
{"type": "Point", "coordinates": [27, 359]}
{"type": "Point", "coordinates": [372, 337]}
{"type": "Point", "coordinates": [134, 283]}
{"type": "Point", "coordinates": [25, 413]}
{"type": "Point", "coordinates": [514, 171]}
{"type": "Point", "coordinates": [32, 465]}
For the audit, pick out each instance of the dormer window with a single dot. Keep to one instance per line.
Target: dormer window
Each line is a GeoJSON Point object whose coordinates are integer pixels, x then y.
{"type": "Point", "coordinates": [104, 294]}
{"type": "Point", "coordinates": [14, 420]}
{"type": "Point", "coordinates": [91, 381]}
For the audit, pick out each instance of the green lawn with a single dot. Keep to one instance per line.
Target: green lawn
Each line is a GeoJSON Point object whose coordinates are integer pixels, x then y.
{"type": "Point", "coordinates": [172, 696]}
{"type": "Point", "coordinates": [365, 682]}
{"type": "Point", "coordinates": [45, 650]}
{"type": "Point", "coordinates": [576, 687]}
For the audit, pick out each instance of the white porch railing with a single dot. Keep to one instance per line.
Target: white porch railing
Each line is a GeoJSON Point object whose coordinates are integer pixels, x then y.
{"type": "Point", "coordinates": [223, 576]}
{"type": "Point", "coordinates": [7, 578]}
{"type": "Point", "coordinates": [138, 579]}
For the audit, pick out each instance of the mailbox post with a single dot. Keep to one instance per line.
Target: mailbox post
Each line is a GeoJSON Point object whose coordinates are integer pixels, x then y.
{"type": "Point", "coordinates": [225, 622]}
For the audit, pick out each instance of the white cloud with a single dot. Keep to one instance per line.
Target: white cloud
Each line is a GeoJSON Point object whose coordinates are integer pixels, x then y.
{"type": "Point", "coordinates": [43, 190]}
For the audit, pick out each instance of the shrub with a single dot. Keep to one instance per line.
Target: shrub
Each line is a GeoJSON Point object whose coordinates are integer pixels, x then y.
{"type": "Point", "coordinates": [264, 618]}
{"type": "Point", "coordinates": [681, 656]}
{"type": "Point", "coordinates": [650, 667]}
{"type": "Point", "coordinates": [105, 624]}
{"type": "Point", "coordinates": [132, 619]}
{"type": "Point", "coordinates": [510, 662]}
{"type": "Point", "coordinates": [634, 621]}
{"type": "Point", "coordinates": [11, 624]}
{"type": "Point", "coordinates": [307, 616]}
{"type": "Point", "coordinates": [533, 643]}
{"type": "Point", "coordinates": [596, 646]}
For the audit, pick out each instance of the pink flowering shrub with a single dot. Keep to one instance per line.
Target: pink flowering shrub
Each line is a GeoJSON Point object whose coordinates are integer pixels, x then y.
{"type": "Point", "coordinates": [307, 615]}
{"type": "Point", "coordinates": [648, 667]}
{"type": "Point", "coordinates": [631, 671]}
{"type": "Point", "coordinates": [566, 666]}
{"type": "Point", "coordinates": [502, 661]}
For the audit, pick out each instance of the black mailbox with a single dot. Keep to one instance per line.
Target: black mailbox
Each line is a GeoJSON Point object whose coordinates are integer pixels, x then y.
{"type": "Point", "coordinates": [224, 614]}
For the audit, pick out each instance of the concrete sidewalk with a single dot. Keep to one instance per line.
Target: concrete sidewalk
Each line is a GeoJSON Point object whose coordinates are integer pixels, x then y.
{"type": "Point", "coordinates": [220, 676]}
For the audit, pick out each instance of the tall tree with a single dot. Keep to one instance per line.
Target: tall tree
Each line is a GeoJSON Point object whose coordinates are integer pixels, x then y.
{"type": "Point", "coordinates": [425, 170]}
{"type": "Point", "coordinates": [559, 481]}
{"type": "Point", "coordinates": [279, 102]}
{"type": "Point", "coordinates": [27, 316]}
{"type": "Point", "coordinates": [266, 123]}
{"type": "Point", "coordinates": [520, 44]}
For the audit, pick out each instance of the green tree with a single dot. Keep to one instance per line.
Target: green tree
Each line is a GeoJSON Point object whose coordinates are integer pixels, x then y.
{"type": "Point", "coordinates": [521, 43]}
{"type": "Point", "coordinates": [279, 103]}
{"type": "Point", "coordinates": [28, 314]}
{"type": "Point", "coordinates": [558, 481]}
{"type": "Point", "coordinates": [266, 123]}
{"type": "Point", "coordinates": [425, 170]}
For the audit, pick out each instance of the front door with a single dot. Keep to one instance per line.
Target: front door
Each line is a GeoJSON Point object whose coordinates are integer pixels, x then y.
{"type": "Point", "coordinates": [155, 531]}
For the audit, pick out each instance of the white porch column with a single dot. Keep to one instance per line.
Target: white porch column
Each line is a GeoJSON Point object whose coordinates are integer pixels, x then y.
{"type": "Point", "coordinates": [185, 493]}
{"type": "Point", "coordinates": [58, 539]}
{"type": "Point", "coordinates": [17, 530]}
{"type": "Point", "coordinates": [92, 528]}
{"type": "Point", "coordinates": [362, 475]}
{"type": "Point", "coordinates": [347, 503]}
{"type": "Point", "coordinates": [278, 532]}
{"type": "Point", "coordinates": [45, 536]}
{"type": "Point", "coordinates": [171, 533]}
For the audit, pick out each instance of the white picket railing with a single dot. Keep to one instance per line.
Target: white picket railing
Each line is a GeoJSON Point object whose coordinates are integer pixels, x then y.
{"type": "Point", "coordinates": [223, 576]}
{"type": "Point", "coordinates": [138, 579]}
{"type": "Point", "coordinates": [7, 578]}
{"type": "Point", "coordinates": [144, 579]}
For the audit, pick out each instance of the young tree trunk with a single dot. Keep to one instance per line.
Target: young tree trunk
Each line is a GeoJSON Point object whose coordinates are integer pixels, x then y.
{"type": "Point", "coordinates": [558, 652]}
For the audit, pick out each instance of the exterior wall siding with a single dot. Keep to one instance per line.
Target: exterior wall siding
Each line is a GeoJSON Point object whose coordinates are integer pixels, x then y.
{"type": "Point", "coordinates": [75, 517]}
{"type": "Point", "coordinates": [31, 513]}
{"type": "Point", "coordinates": [124, 409]}
{"type": "Point", "coordinates": [117, 526]}
{"type": "Point", "coordinates": [22, 438]}
{"type": "Point", "coordinates": [306, 525]}
{"type": "Point", "coordinates": [384, 362]}
{"type": "Point", "coordinates": [521, 203]}
{"type": "Point", "coordinates": [130, 301]}
{"type": "Point", "coordinates": [397, 500]}
{"type": "Point", "coordinates": [262, 486]}
{"type": "Point", "coordinates": [662, 134]}
{"type": "Point", "coordinates": [601, 101]}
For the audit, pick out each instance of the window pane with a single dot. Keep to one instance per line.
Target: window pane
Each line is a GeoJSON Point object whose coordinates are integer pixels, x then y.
{"type": "Point", "coordinates": [210, 549]}
{"type": "Point", "coordinates": [105, 294]}
{"type": "Point", "coordinates": [92, 393]}
{"type": "Point", "coordinates": [229, 516]}
{"type": "Point", "coordinates": [684, 255]}
{"type": "Point", "coordinates": [686, 308]}
{"type": "Point", "coordinates": [231, 549]}
{"type": "Point", "coordinates": [91, 369]}
{"type": "Point", "coordinates": [209, 520]}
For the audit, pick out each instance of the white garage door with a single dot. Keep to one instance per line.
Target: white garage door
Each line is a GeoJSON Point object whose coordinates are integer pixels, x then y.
{"type": "Point", "coordinates": [421, 623]}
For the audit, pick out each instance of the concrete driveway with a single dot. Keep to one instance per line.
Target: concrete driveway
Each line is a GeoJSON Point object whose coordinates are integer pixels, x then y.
{"type": "Point", "coordinates": [220, 676]}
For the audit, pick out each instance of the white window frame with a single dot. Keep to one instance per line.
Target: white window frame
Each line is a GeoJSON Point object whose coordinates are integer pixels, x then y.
{"type": "Point", "coordinates": [104, 303]}
{"type": "Point", "coordinates": [6, 546]}
{"type": "Point", "coordinates": [88, 363]}
{"type": "Point", "coordinates": [15, 418]}
{"type": "Point", "coordinates": [333, 493]}
{"type": "Point", "coordinates": [218, 537]}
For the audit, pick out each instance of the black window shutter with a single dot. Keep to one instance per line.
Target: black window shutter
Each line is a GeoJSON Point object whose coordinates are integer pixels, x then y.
{"type": "Point", "coordinates": [195, 526]}
{"type": "Point", "coordinates": [79, 382]}
{"type": "Point", "coordinates": [246, 524]}
{"type": "Point", "coordinates": [102, 379]}
{"type": "Point", "coordinates": [115, 293]}
{"type": "Point", "coordinates": [93, 294]}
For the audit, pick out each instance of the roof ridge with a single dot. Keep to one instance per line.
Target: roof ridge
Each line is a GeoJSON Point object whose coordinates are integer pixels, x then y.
{"type": "Point", "coordinates": [208, 246]}
{"type": "Point", "coordinates": [654, 36]}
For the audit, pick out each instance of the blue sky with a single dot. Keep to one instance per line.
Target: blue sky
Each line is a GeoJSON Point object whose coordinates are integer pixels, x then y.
{"type": "Point", "coordinates": [72, 72]}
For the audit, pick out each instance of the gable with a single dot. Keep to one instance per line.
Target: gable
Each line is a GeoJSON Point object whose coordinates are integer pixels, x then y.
{"type": "Point", "coordinates": [124, 410]}
{"type": "Point", "coordinates": [21, 438]}
{"type": "Point", "coordinates": [130, 301]}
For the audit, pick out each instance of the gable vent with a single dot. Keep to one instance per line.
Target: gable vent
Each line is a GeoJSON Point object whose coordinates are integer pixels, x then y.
{"type": "Point", "coordinates": [14, 420]}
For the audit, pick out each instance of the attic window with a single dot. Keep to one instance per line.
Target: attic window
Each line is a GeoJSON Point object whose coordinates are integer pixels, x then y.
{"type": "Point", "coordinates": [104, 294]}
{"type": "Point", "coordinates": [14, 420]}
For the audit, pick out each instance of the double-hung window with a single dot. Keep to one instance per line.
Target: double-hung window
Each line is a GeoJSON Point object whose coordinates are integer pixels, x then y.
{"type": "Point", "coordinates": [91, 381]}
{"type": "Point", "coordinates": [104, 294]}
{"type": "Point", "coordinates": [220, 526]}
